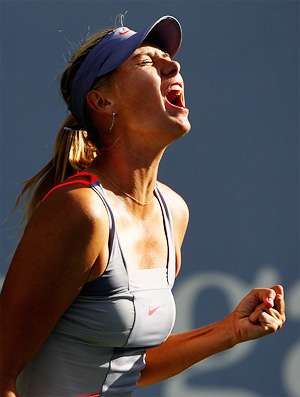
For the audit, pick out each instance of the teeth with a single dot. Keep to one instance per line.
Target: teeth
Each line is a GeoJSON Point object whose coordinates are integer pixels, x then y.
{"type": "Point", "coordinates": [173, 95]}
{"type": "Point", "coordinates": [175, 87]}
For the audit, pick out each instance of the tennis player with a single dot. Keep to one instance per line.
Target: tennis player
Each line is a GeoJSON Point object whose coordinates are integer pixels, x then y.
{"type": "Point", "coordinates": [87, 305]}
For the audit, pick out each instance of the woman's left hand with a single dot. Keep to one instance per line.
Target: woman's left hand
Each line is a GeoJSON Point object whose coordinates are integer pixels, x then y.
{"type": "Point", "coordinates": [260, 313]}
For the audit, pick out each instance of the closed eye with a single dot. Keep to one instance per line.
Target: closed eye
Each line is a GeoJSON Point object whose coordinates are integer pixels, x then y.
{"type": "Point", "coordinates": [146, 61]}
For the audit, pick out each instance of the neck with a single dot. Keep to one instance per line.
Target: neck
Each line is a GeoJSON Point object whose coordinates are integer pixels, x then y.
{"type": "Point", "coordinates": [142, 203]}
{"type": "Point", "coordinates": [130, 165]}
{"type": "Point", "coordinates": [132, 177]}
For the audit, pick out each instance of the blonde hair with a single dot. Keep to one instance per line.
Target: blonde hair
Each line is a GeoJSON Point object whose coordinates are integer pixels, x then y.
{"type": "Point", "coordinates": [75, 146]}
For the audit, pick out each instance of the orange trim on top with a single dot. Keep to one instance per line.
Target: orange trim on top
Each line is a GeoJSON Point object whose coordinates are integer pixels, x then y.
{"type": "Point", "coordinates": [93, 179]}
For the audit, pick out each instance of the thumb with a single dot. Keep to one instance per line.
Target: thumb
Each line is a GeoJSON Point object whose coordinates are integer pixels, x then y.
{"type": "Point", "coordinates": [269, 297]}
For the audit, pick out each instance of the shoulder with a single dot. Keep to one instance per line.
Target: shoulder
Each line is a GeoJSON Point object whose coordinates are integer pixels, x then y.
{"type": "Point", "coordinates": [74, 205]}
{"type": "Point", "coordinates": [179, 208]}
{"type": "Point", "coordinates": [179, 211]}
{"type": "Point", "coordinates": [180, 217]}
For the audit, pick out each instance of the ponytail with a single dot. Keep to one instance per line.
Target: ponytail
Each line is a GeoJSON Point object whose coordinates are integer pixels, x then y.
{"type": "Point", "coordinates": [75, 148]}
{"type": "Point", "coordinates": [73, 152]}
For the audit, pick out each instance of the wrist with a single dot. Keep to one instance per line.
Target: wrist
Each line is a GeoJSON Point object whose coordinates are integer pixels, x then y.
{"type": "Point", "coordinates": [233, 336]}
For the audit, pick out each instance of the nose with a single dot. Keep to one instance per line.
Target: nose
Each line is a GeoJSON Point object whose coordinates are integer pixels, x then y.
{"type": "Point", "coordinates": [170, 67]}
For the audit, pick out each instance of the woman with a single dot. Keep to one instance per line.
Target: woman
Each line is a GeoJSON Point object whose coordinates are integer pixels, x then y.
{"type": "Point", "coordinates": [87, 304]}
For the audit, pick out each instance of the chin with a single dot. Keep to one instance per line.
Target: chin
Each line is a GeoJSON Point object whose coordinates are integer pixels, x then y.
{"type": "Point", "coordinates": [183, 125]}
{"type": "Point", "coordinates": [179, 131]}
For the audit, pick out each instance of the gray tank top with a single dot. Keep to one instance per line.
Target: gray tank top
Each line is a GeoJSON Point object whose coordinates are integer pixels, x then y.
{"type": "Point", "coordinates": [98, 346]}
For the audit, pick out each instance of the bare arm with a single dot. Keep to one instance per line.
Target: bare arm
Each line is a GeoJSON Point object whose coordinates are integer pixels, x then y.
{"type": "Point", "coordinates": [51, 264]}
{"type": "Point", "coordinates": [254, 317]}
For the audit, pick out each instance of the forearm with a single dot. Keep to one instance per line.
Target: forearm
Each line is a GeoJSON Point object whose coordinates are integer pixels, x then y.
{"type": "Point", "coordinates": [260, 313]}
{"type": "Point", "coordinates": [181, 351]}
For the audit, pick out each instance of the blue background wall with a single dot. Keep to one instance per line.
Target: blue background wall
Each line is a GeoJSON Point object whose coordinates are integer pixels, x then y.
{"type": "Point", "coordinates": [237, 168]}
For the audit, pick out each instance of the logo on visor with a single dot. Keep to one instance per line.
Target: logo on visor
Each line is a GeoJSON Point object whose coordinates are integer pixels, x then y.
{"type": "Point", "coordinates": [126, 31]}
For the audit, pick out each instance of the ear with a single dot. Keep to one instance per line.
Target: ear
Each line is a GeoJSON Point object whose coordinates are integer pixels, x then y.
{"type": "Point", "coordinates": [98, 101]}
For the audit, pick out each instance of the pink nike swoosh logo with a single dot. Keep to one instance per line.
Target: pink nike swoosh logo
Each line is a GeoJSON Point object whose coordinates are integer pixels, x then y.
{"type": "Point", "coordinates": [151, 311]}
{"type": "Point", "coordinates": [125, 31]}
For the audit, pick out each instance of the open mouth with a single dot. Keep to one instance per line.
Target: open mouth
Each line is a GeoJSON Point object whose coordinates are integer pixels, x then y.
{"type": "Point", "coordinates": [174, 95]}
